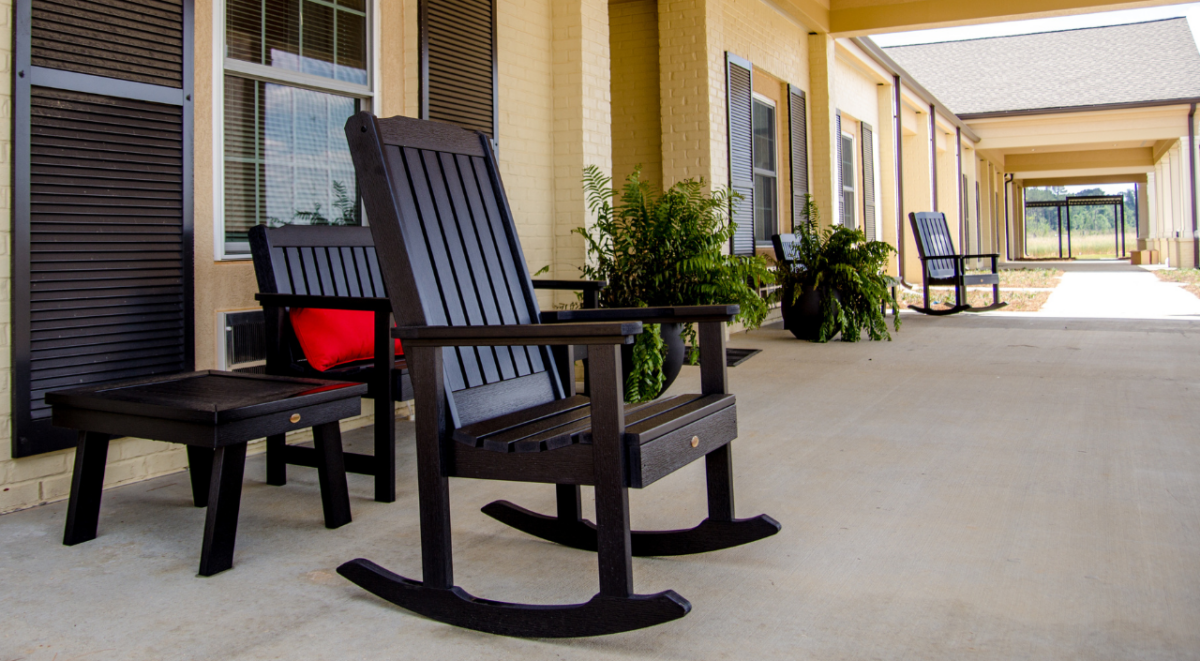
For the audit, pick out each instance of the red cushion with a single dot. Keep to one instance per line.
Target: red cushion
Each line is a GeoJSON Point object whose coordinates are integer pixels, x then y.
{"type": "Point", "coordinates": [335, 337]}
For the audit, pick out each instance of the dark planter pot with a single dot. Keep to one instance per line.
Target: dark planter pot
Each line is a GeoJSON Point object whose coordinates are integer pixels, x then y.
{"type": "Point", "coordinates": [803, 317]}
{"type": "Point", "coordinates": [671, 364]}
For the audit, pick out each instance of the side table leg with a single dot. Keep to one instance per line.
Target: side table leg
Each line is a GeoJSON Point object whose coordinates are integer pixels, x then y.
{"type": "Point", "coordinates": [200, 463]}
{"type": "Point", "coordinates": [331, 473]}
{"type": "Point", "coordinates": [224, 498]}
{"type": "Point", "coordinates": [277, 460]}
{"type": "Point", "coordinates": [87, 483]}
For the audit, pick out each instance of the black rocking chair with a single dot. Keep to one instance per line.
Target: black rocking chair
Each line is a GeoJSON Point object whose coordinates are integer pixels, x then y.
{"type": "Point", "coordinates": [490, 402]}
{"type": "Point", "coordinates": [941, 265]}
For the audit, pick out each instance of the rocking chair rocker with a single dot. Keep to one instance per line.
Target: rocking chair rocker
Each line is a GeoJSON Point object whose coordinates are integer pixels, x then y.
{"type": "Point", "coordinates": [941, 265]}
{"type": "Point", "coordinates": [490, 402]}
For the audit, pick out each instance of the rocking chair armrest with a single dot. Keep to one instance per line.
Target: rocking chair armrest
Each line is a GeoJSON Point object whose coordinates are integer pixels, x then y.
{"type": "Point", "coordinates": [994, 255]}
{"type": "Point", "coordinates": [571, 285]}
{"type": "Point", "coordinates": [664, 315]}
{"type": "Point", "coordinates": [324, 302]}
{"type": "Point", "coordinates": [517, 335]}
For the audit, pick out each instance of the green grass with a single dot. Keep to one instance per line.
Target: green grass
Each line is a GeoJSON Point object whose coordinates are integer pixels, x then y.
{"type": "Point", "coordinates": [1036, 278]}
{"type": "Point", "coordinates": [1083, 246]}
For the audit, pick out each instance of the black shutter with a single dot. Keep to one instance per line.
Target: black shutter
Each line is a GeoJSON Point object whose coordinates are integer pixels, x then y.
{"type": "Point", "coordinates": [798, 139]}
{"type": "Point", "coordinates": [102, 255]}
{"type": "Point", "coordinates": [458, 64]}
{"type": "Point", "coordinates": [841, 193]}
{"type": "Point", "coordinates": [866, 136]}
{"type": "Point", "coordinates": [739, 86]}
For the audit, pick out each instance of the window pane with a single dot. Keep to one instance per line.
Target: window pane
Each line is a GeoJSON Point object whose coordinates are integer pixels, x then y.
{"type": "Point", "coordinates": [314, 37]}
{"type": "Point", "coordinates": [848, 209]}
{"type": "Point", "coordinates": [286, 158]}
{"type": "Point", "coordinates": [847, 162]}
{"type": "Point", "coordinates": [764, 136]}
{"type": "Point", "coordinates": [766, 208]}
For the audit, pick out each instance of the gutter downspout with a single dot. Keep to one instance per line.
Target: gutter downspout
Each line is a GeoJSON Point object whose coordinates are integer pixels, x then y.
{"type": "Point", "coordinates": [1008, 178]}
{"type": "Point", "coordinates": [897, 140]}
{"type": "Point", "coordinates": [1192, 167]}
{"type": "Point", "coordinates": [933, 157]}
{"type": "Point", "coordinates": [958, 185]}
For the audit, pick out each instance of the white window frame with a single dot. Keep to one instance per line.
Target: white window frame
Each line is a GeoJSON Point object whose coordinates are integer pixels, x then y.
{"type": "Point", "coordinates": [366, 94]}
{"type": "Point", "coordinates": [855, 168]}
{"type": "Point", "coordinates": [767, 101]}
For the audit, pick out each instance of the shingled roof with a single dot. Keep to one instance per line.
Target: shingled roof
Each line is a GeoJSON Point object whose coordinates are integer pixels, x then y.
{"type": "Point", "coordinates": [1138, 62]}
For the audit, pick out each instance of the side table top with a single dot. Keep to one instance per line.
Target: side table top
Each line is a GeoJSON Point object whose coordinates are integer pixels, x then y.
{"type": "Point", "coordinates": [211, 397]}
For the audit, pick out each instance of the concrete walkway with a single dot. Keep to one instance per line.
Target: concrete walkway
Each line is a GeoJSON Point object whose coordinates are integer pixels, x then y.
{"type": "Point", "coordinates": [983, 487]}
{"type": "Point", "coordinates": [1116, 290]}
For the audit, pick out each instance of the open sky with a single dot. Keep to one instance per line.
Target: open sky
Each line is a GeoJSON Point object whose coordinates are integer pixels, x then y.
{"type": "Point", "coordinates": [1190, 10]}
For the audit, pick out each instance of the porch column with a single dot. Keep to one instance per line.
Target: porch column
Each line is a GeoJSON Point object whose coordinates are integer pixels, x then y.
{"type": "Point", "coordinates": [885, 96]}
{"type": "Point", "coordinates": [822, 105]}
{"type": "Point", "coordinates": [1016, 220]}
{"type": "Point", "coordinates": [582, 123]}
{"type": "Point", "coordinates": [692, 92]}
{"type": "Point", "coordinates": [918, 185]}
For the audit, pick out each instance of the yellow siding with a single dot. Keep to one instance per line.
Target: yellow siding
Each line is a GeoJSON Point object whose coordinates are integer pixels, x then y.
{"type": "Point", "coordinates": [636, 109]}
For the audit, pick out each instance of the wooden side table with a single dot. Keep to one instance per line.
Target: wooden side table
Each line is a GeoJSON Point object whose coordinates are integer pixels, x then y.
{"type": "Point", "coordinates": [215, 414]}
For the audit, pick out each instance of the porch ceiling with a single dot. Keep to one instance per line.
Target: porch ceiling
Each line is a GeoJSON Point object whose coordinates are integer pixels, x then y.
{"type": "Point", "coordinates": [849, 18]}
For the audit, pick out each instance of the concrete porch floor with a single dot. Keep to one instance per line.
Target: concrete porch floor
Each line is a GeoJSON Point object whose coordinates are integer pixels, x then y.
{"type": "Point", "coordinates": [981, 487]}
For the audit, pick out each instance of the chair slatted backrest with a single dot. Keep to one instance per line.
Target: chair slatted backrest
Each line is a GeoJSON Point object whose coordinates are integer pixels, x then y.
{"type": "Point", "coordinates": [450, 255]}
{"type": "Point", "coordinates": [316, 261]}
{"type": "Point", "coordinates": [785, 247]}
{"type": "Point", "coordinates": [933, 240]}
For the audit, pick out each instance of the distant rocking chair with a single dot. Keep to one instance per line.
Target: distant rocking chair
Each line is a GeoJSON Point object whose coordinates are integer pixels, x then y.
{"type": "Point", "coordinates": [941, 265]}
{"type": "Point", "coordinates": [491, 404]}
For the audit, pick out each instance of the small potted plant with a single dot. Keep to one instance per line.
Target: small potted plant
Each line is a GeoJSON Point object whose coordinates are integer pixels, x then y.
{"type": "Point", "coordinates": [836, 283]}
{"type": "Point", "coordinates": [663, 250]}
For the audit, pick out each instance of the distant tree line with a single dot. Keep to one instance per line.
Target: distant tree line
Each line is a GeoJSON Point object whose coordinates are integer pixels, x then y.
{"type": "Point", "coordinates": [1084, 220]}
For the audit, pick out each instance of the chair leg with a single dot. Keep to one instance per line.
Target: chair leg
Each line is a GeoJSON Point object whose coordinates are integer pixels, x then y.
{"type": "Point", "coordinates": [613, 610]}
{"type": "Point", "coordinates": [224, 500]}
{"type": "Point", "coordinates": [331, 473]}
{"type": "Point", "coordinates": [613, 544]}
{"type": "Point", "coordinates": [277, 460]}
{"type": "Point", "coordinates": [718, 472]}
{"type": "Point", "coordinates": [385, 410]}
{"type": "Point", "coordinates": [570, 505]}
{"type": "Point", "coordinates": [385, 451]}
{"type": "Point", "coordinates": [719, 531]}
{"type": "Point", "coordinates": [200, 464]}
{"type": "Point", "coordinates": [87, 485]}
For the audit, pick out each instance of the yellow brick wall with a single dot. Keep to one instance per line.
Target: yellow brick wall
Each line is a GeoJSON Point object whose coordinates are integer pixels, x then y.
{"type": "Point", "coordinates": [917, 191]}
{"type": "Point", "coordinates": [582, 121]}
{"type": "Point", "coordinates": [636, 125]}
{"type": "Point", "coordinates": [525, 40]}
{"type": "Point", "coordinates": [857, 97]}
{"type": "Point", "coordinates": [693, 38]}
{"type": "Point", "coordinates": [218, 285]}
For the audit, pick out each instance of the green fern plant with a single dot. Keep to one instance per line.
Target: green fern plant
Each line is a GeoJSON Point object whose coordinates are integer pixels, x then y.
{"type": "Point", "coordinates": [842, 260]}
{"type": "Point", "coordinates": [663, 250]}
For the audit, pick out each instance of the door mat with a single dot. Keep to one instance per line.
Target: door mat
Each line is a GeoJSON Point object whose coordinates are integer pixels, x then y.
{"type": "Point", "coordinates": [735, 357]}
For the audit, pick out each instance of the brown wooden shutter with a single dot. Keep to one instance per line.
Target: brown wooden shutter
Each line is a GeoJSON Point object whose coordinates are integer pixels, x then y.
{"type": "Point", "coordinates": [798, 140]}
{"type": "Point", "coordinates": [137, 40]}
{"type": "Point", "coordinates": [866, 136]}
{"type": "Point", "coordinates": [841, 195]}
{"type": "Point", "coordinates": [739, 76]}
{"type": "Point", "coordinates": [102, 263]}
{"type": "Point", "coordinates": [458, 64]}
